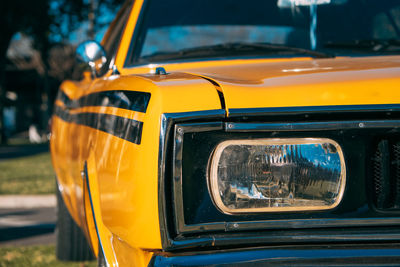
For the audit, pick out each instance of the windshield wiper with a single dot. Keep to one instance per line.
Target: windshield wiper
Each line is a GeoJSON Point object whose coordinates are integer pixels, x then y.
{"type": "Point", "coordinates": [229, 49]}
{"type": "Point", "coordinates": [373, 45]}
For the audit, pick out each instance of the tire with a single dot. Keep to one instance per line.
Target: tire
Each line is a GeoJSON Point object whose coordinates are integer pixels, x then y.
{"type": "Point", "coordinates": [101, 261]}
{"type": "Point", "coordinates": [71, 242]}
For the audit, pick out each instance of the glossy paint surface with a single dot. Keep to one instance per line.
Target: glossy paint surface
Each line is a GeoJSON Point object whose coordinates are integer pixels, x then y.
{"type": "Point", "coordinates": [259, 83]}
{"type": "Point", "coordinates": [124, 174]}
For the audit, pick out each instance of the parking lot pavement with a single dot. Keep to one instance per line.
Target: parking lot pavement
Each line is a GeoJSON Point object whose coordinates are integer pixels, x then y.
{"type": "Point", "coordinates": [27, 226]}
{"type": "Point", "coordinates": [27, 201]}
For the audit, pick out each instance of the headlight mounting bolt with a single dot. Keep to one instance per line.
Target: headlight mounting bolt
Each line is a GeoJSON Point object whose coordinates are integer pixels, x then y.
{"type": "Point", "coordinates": [179, 135]}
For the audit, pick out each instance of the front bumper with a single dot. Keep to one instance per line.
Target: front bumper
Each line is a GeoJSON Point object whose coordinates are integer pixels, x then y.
{"type": "Point", "coordinates": [322, 255]}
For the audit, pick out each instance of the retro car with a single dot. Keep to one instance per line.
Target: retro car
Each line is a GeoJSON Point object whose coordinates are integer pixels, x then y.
{"type": "Point", "coordinates": [234, 133]}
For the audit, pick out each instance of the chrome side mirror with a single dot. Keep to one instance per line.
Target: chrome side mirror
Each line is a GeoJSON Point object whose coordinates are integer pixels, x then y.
{"type": "Point", "coordinates": [93, 55]}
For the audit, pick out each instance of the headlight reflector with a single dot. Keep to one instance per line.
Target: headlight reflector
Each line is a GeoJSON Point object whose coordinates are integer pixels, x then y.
{"type": "Point", "coordinates": [270, 175]}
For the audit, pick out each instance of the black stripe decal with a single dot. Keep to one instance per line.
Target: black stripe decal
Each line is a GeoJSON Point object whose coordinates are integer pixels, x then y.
{"type": "Point", "coordinates": [130, 100]}
{"type": "Point", "coordinates": [127, 129]}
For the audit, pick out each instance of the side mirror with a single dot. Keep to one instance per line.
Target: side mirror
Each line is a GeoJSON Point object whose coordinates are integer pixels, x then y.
{"type": "Point", "coordinates": [93, 55]}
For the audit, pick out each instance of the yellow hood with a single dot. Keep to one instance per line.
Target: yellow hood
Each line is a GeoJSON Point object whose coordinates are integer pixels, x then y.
{"type": "Point", "coordinates": [322, 82]}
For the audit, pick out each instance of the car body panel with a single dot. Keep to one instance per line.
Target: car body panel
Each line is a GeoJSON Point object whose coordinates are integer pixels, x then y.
{"type": "Point", "coordinates": [133, 201]}
{"type": "Point", "coordinates": [129, 34]}
{"type": "Point", "coordinates": [341, 81]}
{"type": "Point", "coordinates": [286, 82]}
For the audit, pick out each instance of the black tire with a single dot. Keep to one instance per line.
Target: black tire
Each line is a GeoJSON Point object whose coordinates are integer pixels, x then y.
{"type": "Point", "coordinates": [101, 261]}
{"type": "Point", "coordinates": [71, 242]}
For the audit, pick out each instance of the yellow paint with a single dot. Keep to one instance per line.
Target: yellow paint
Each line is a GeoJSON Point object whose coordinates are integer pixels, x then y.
{"type": "Point", "coordinates": [103, 233]}
{"type": "Point", "coordinates": [130, 256]}
{"type": "Point", "coordinates": [187, 65]}
{"type": "Point", "coordinates": [127, 36]}
{"type": "Point", "coordinates": [124, 176]}
{"type": "Point", "coordinates": [90, 229]}
{"type": "Point", "coordinates": [340, 81]}
{"type": "Point", "coordinates": [126, 173]}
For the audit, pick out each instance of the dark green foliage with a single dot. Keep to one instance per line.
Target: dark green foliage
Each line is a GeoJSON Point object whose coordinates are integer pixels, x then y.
{"type": "Point", "coordinates": [47, 22]}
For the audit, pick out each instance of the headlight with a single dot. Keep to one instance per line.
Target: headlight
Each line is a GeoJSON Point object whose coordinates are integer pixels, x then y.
{"type": "Point", "coordinates": [270, 175]}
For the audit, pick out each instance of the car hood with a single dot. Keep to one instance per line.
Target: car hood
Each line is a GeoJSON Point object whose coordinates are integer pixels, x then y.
{"type": "Point", "coordinates": [321, 82]}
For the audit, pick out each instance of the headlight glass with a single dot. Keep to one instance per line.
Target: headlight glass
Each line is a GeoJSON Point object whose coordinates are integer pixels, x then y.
{"type": "Point", "coordinates": [270, 175]}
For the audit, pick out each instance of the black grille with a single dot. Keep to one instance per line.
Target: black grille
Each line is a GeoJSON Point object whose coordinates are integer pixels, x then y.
{"type": "Point", "coordinates": [386, 175]}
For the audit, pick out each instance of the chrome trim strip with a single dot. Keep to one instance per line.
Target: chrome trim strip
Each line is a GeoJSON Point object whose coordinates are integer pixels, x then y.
{"type": "Point", "coordinates": [287, 224]}
{"type": "Point", "coordinates": [276, 111]}
{"type": "Point", "coordinates": [180, 130]}
{"type": "Point", "coordinates": [277, 237]}
{"type": "Point", "coordinates": [167, 120]}
{"type": "Point", "coordinates": [162, 209]}
{"type": "Point", "coordinates": [94, 217]}
{"type": "Point", "coordinates": [196, 115]}
{"type": "Point", "coordinates": [310, 126]}
{"type": "Point", "coordinates": [304, 223]}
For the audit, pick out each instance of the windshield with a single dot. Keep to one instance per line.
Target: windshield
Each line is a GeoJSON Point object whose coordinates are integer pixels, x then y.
{"type": "Point", "coordinates": [181, 29]}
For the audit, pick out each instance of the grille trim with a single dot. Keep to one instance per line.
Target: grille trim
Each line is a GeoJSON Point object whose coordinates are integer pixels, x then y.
{"type": "Point", "coordinates": [386, 175]}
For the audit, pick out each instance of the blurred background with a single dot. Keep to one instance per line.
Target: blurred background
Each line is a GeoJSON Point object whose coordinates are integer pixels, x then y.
{"type": "Point", "coordinates": [37, 46]}
{"type": "Point", "coordinates": [37, 52]}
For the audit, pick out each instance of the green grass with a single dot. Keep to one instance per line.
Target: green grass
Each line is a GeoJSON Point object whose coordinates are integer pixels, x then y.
{"type": "Point", "coordinates": [34, 256]}
{"type": "Point", "coordinates": [27, 175]}
{"type": "Point", "coordinates": [19, 141]}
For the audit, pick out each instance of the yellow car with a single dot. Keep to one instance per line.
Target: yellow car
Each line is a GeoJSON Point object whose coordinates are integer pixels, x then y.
{"type": "Point", "coordinates": [234, 133]}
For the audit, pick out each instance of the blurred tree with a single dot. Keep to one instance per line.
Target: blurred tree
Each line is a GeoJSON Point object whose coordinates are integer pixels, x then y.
{"type": "Point", "coordinates": [68, 15]}
{"type": "Point", "coordinates": [61, 63]}
{"type": "Point", "coordinates": [47, 22]}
